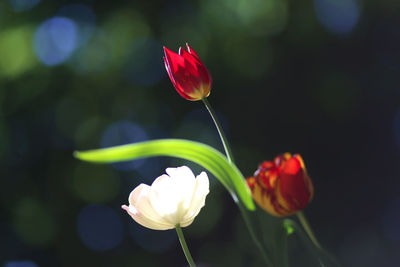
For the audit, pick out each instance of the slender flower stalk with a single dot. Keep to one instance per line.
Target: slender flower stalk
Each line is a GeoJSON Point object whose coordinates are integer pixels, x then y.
{"type": "Point", "coordinates": [184, 246]}
{"type": "Point", "coordinates": [328, 257]}
{"type": "Point", "coordinates": [304, 222]}
{"type": "Point", "coordinates": [192, 81]}
{"type": "Point", "coordinates": [242, 209]}
{"type": "Point", "coordinates": [253, 235]}
{"type": "Point", "coordinates": [219, 129]}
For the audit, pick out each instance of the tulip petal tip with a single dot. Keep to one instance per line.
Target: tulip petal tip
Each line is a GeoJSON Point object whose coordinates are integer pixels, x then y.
{"type": "Point", "coordinates": [188, 74]}
{"type": "Point", "coordinates": [282, 187]}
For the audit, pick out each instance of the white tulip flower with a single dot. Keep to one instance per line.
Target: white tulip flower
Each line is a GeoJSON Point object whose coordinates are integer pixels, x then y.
{"type": "Point", "coordinates": [173, 199]}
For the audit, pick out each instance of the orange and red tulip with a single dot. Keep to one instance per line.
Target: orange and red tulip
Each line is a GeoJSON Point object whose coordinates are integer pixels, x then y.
{"type": "Point", "coordinates": [188, 74]}
{"type": "Point", "coordinates": [282, 187]}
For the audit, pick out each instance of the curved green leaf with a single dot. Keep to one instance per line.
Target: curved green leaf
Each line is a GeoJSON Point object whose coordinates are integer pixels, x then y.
{"type": "Point", "coordinates": [209, 158]}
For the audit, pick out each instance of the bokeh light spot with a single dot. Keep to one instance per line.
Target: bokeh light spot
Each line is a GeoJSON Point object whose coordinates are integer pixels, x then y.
{"type": "Point", "coordinates": [337, 16]}
{"type": "Point", "coordinates": [16, 53]}
{"type": "Point", "coordinates": [55, 40]}
{"type": "Point", "coordinates": [33, 222]}
{"type": "Point", "coordinates": [20, 264]}
{"type": "Point", "coordinates": [120, 133]}
{"type": "Point", "coordinates": [95, 184]}
{"type": "Point", "coordinates": [99, 227]}
{"type": "Point", "coordinates": [84, 18]}
{"type": "Point", "coordinates": [23, 5]}
{"type": "Point", "coordinates": [150, 240]}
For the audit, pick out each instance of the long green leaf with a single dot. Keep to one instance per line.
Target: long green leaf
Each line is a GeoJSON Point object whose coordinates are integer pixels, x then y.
{"type": "Point", "coordinates": [209, 158]}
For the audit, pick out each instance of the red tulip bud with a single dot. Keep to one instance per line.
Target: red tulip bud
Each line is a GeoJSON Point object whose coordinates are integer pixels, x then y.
{"type": "Point", "coordinates": [282, 187]}
{"type": "Point", "coordinates": [188, 74]}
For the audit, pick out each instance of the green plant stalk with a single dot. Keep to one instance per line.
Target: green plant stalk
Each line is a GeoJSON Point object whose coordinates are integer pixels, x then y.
{"type": "Point", "coordinates": [324, 257]}
{"type": "Point", "coordinates": [253, 235]}
{"type": "Point", "coordinates": [229, 157]}
{"type": "Point", "coordinates": [219, 129]}
{"type": "Point", "coordinates": [307, 228]}
{"type": "Point", "coordinates": [184, 246]}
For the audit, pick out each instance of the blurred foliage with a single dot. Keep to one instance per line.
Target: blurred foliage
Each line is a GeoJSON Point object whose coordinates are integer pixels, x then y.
{"type": "Point", "coordinates": [317, 77]}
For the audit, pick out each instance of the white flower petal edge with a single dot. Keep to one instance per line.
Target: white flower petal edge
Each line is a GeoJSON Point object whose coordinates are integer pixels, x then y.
{"type": "Point", "coordinates": [141, 210]}
{"type": "Point", "coordinates": [172, 199]}
{"type": "Point", "coordinates": [198, 200]}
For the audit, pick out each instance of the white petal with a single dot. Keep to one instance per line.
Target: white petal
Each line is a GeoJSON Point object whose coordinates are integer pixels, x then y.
{"type": "Point", "coordinates": [170, 200]}
{"type": "Point", "coordinates": [183, 178]}
{"type": "Point", "coordinates": [201, 190]}
{"type": "Point", "coordinates": [173, 196]}
{"type": "Point", "coordinates": [162, 185]}
{"type": "Point", "coordinates": [163, 197]}
{"type": "Point", "coordinates": [187, 222]}
{"type": "Point", "coordinates": [184, 183]}
{"type": "Point", "coordinates": [142, 211]}
{"type": "Point", "coordinates": [183, 172]}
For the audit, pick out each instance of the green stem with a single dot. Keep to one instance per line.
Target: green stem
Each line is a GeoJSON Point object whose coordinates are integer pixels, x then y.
{"type": "Point", "coordinates": [219, 129]}
{"type": "Point", "coordinates": [229, 156]}
{"type": "Point", "coordinates": [247, 221]}
{"type": "Point", "coordinates": [184, 246]}
{"type": "Point", "coordinates": [307, 228]}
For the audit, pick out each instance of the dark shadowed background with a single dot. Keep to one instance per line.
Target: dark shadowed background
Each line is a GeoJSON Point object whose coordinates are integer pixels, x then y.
{"type": "Point", "coordinates": [319, 78]}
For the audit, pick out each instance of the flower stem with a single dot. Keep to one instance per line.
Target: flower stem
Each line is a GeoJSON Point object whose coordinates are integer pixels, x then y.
{"type": "Point", "coordinates": [184, 246]}
{"type": "Point", "coordinates": [253, 235]}
{"type": "Point", "coordinates": [307, 228]}
{"type": "Point", "coordinates": [229, 157]}
{"type": "Point", "coordinates": [219, 129]}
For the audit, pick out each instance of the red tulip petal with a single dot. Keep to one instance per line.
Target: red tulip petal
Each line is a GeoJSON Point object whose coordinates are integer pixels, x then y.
{"type": "Point", "coordinates": [188, 74]}
{"type": "Point", "coordinates": [168, 68]}
{"type": "Point", "coordinates": [293, 184]}
{"type": "Point", "coordinates": [191, 51]}
{"type": "Point", "coordinates": [175, 61]}
{"type": "Point", "coordinates": [291, 166]}
{"type": "Point", "coordinates": [191, 59]}
{"type": "Point", "coordinates": [251, 181]}
{"type": "Point", "coordinates": [282, 187]}
{"type": "Point", "coordinates": [198, 70]}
